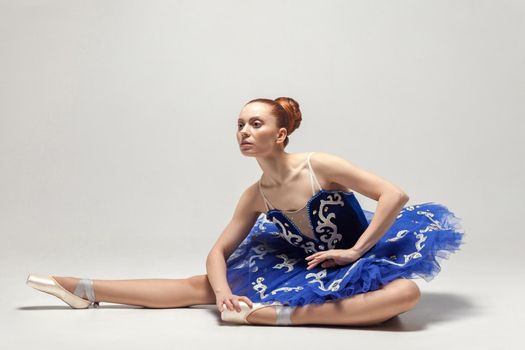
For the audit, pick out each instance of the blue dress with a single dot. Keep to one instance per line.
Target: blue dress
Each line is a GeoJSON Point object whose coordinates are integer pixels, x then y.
{"type": "Point", "coordinates": [269, 265]}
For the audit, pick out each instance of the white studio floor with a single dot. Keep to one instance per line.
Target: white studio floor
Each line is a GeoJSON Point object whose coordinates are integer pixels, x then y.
{"type": "Point", "coordinates": [458, 308]}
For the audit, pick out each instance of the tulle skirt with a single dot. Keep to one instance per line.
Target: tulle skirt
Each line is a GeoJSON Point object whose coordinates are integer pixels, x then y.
{"type": "Point", "coordinates": [266, 268]}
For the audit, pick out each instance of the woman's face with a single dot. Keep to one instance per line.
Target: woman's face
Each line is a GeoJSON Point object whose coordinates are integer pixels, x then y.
{"type": "Point", "coordinates": [257, 131]}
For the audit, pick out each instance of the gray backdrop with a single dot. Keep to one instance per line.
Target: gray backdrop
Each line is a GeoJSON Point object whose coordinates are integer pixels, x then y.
{"type": "Point", "coordinates": [118, 156]}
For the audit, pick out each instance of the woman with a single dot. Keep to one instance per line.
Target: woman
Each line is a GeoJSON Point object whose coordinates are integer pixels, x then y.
{"type": "Point", "coordinates": [328, 262]}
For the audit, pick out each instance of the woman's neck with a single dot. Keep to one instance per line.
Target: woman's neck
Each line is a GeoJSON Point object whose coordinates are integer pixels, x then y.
{"type": "Point", "coordinates": [277, 168]}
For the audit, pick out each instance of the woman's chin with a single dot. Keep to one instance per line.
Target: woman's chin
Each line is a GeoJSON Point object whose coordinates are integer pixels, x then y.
{"type": "Point", "coordinates": [248, 152]}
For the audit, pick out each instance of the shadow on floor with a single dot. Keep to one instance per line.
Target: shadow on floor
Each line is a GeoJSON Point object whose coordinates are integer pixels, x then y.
{"type": "Point", "coordinates": [432, 308]}
{"type": "Point", "coordinates": [65, 307]}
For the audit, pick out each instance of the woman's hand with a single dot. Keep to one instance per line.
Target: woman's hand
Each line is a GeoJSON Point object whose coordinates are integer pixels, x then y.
{"type": "Point", "coordinates": [332, 257]}
{"type": "Point", "coordinates": [231, 301]}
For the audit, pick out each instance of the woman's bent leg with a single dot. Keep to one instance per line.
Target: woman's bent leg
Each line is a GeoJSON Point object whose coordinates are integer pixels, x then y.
{"type": "Point", "coordinates": [363, 309]}
{"type": "Point", "coordinates": [150, 293]}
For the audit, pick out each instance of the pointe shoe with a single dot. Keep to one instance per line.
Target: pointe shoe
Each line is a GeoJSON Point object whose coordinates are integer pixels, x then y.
{"type": "Point", "coordinates": [49, 285]}
{"type": "Point", "coordinates": [240, 317]}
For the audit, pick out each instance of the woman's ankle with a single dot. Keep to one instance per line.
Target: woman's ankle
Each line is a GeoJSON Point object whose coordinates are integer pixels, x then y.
{"type": "Point", "coordinates": [68, 283]}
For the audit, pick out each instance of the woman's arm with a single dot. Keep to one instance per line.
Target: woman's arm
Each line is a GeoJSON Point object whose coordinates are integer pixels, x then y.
{"type": "Point", "coordinates": [391, 198]}
{"type": "Point", "coordinates": [243, 219]}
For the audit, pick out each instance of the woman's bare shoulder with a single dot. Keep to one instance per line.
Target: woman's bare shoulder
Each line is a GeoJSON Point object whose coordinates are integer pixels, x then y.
{"type": "Point", "coordinates": [324, 165]}
{"type": "Point", "coordinates": [252, 200]}
{"type": "Point", "coordinates": [324, 156]}
{"type": "Point", "coordinates": [324, 160]}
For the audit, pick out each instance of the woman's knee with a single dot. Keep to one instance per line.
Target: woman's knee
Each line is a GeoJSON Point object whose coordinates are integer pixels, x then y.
{"type": "Point", "coordinates": [409, 293]}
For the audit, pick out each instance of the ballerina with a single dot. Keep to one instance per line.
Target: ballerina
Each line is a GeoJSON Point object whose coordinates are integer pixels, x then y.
{"type": "Point", "coordinates": [328, 262]}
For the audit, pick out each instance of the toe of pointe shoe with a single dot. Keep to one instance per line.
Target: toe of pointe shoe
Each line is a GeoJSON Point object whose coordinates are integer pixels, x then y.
{"type": "Point", "coordinates": [49, 285]}
{"type": "Point", "coordinates": [237, 317]}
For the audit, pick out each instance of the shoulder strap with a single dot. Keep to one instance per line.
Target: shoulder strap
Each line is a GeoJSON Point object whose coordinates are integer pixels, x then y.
{"type": "Point", "coordinates": [269, 205]}
{"type": "Point", "coordinates": [312, 175]}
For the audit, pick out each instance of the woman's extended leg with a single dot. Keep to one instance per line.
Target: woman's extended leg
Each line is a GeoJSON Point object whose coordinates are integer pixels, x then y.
{"type": "Point", "coordinates": [363, 309]}
{"type": "Point", "coordinates": [150, 293]}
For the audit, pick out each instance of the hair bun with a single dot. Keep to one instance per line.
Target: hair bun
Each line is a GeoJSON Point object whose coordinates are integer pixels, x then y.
{"type": "Point", "coordinates": [291, 107]}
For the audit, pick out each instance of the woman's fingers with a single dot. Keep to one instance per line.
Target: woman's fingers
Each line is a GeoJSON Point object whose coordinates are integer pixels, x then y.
{"type": "Point", "coordinates": [247, 300]}
{"type": "Point", "coordinates": [313, 256]}
{"type": "Point", "coordinates": [221, 305]}
{"type": "Point", "coordinates": [229, 304]}
{"type": "Point", "coordinates": [236, 305]}
{"type": "Point", "coordinates": [232, 303]}
{"type": "Point", "coordinates": [313, 263]}
{"type": "Point", "coordinates": [319, 256]}
{"type": "Point", "coordinates": [324, 258]}
{"type": "Point", "coordinates": [316, 261]}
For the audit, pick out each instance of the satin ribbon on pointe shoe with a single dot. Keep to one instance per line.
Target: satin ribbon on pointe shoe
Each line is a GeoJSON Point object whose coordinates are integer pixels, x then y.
{"type": "Point", "coordinates": [284, 313]}
{"type": "Point", "coordinates": [85, 290]}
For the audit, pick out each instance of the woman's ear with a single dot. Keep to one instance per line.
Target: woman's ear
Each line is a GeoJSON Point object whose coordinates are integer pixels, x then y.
{"type": "Point", "coordinates": [281, 135]}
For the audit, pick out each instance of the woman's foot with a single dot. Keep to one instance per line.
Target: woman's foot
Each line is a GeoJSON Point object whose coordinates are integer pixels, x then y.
{"type": "Point", "coordinates": [77, 293]}
{"type": "Point", "coordinates": [278, 315]}
{"type": "Point", "coordinates": [264, 316]}
{"type": "Point", "coordinates": [71, 284]}
{"type": "Point", "coordinates": [68, 283]}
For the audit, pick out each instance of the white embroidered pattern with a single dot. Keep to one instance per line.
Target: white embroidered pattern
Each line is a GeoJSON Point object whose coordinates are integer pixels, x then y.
{"type": "Point", "coordinates": [286, 289]}
{"type": "Point", "coordinates": [407, 257]}
{"type": "Point", "coordinates": [287, 263]}
{"type": "Point", "coordinates": [399, 235]}
{"type": "Point", "coordinates": [334, 286]}
{"type": "Point", "coordinates": [260, 251]}
{"type": "Point", "coordinates": [325, 226]}
{"type": "Point", "coordinates": [317, 278]}
{"type": "Point", "coordinates": [261, 225]}
{"type": "Point", "coordinates": [292, 238]}
{"type": "Point", "coordinates": [309, 247]}
{"type": "Point", "coordinates": [414, 255]}
{"type": "Point", "coordinates": [434, 225]}
{"type": "Point", "coordinates": [288, 235]}
{"type": "Point", "coordinates": [421, 238]}
{"type": "Point", "coordinates": [260, 288]}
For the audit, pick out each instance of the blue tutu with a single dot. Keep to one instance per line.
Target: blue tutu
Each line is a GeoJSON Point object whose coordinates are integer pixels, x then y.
{"type": "Point", "coordinates": [269, 265]}
{"type": "Point", "coordinates": [267, 268]}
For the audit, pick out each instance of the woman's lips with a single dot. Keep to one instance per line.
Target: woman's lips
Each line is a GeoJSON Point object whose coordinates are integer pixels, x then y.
{"type": "Point", "coordinates": [246, 144]}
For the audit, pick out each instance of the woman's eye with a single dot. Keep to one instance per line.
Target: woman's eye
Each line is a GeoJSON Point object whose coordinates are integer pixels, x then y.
{"type": "Point", "coordinates": [257, 124]}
